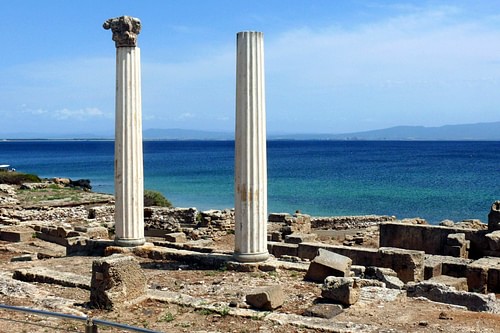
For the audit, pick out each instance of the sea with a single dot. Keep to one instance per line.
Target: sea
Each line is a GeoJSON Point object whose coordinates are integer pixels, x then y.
{"type": "Point", "coordinates": [434, 180]}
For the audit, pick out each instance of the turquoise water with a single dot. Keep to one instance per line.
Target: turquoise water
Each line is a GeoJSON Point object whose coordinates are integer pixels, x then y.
{"type": "Point", "coordinates": [432, 180]}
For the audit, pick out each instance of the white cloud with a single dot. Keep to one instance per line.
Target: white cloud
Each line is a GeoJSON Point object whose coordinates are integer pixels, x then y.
{"type": "Point", "coordinates": [68, 114]}
{"type": "Point", "coordinates": [81, 114]}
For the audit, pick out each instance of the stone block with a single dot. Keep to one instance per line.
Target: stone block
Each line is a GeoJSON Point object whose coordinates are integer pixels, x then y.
{"type": "Point", "coordinates": [328, 263]}
{"type": "Point", "coordinates": [432, 267]}
{"type": "Point", "coordinates": [477, 278]}
{"type": "Point", "coordinates": [279, 217]}
{"type": "Point", "coordinates": [62, 232]}
{"type": "Point", "coordinates": [327, 311]}
{"type": "Point", "coordinates": [408, 264]}
{"type": "Point", "coordinates": [456, 239]}
{"type": "Point", "coordinates": [116, 280]}
{"type": "Point", "coordinates": [494, 280]}
{"type": "Point", "coordinates": [308, 250]}
{"type": "Point", "coordinates": [459, 284]}
{"type": "Point", "coordinates": [300, 238]}
{"type": "Point", "coordinates": [97, 233]}
{"type": "Point", "coordinates": [454, 266]}
{"type": "Point", "coordinates": [16, 234]}
{"type": "Point", "coordinates": [483, 275]}
{"type": "Point", "coordinates": [176, 237]}
{"type": "Point", "coordinates": [278, 249]}
{"type": "Point", "coordinates": [385, 275]}
{"type": "Point", "coordinates": [343, 290]}
{"type": "Point", "coordinates": [493, 239]}
{"type": "Point", "coordinates": [438, 292]}
{"type": "Point", "coordinates": [266, 298]}
{"type": "Point", "coordinates": [455, 251]}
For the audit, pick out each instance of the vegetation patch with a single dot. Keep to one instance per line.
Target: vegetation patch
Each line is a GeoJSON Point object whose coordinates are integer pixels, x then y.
{"type": "Point", "coordinates": [18, 178]}
{"type": "Point", "coordinates": [155, 198]}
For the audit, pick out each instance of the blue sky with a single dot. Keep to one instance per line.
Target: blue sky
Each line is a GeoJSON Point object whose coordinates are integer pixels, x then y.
{"type": "Point", "coordinates": [331, 66]}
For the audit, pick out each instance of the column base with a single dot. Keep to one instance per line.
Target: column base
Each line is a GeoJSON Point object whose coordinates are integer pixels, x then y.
{"type": "Point", "coordinates": [251, 257]}
{"type": "Point", "coordinates": [129, 242]}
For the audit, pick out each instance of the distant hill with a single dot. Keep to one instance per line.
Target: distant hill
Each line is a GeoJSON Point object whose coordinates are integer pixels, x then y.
{"type": "Point", "coordinates": [184, 134]}
{"type": "Point", "coordinates": [479, 131]}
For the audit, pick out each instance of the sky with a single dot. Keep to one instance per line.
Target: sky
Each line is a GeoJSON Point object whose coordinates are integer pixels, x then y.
{"type": "Point", "coordinates": [330, 66]}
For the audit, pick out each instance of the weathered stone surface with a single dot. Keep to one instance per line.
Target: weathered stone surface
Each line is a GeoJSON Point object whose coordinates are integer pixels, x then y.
{"type": "Point", "coordinates": [348, 222]}
{"type": "Point", "coordinates": [176, 237]}
{"type": "Point", "coordinates": [340, 289]}
{"type": "Point", "coordinates": [327, 311]}
{"type": "Point", "coordinates": [279, 249]}
{"type": "Point", "coordinates": [494, 216]}
{"type": "Point", "coordinates": [483, 275]}
{"type": "Point", "coordinates": [432, 266]}
{"type": "Point", "coordinates": [279, 217]}
{"type": "Point", "coordinates": [459, 284]}
{"type": "Point", "coordinates": [493, 239]}
{"type": "Point", "coordinates": [441, 293]}
{"type": "Point", "coordinates": [116, 280]}
{"type": "Point", "coordinates": [45, 275]}
{"type": "Point", "coordinates": [429, 238]}
{"type": "Point", "coordinates": [169, 219]}
{"type": "Point", "coordinates": [300, 238]}
{"type": "Point", "coordinates": [408, 264]}
{"type": "Point", "coordinates": [328, 263]}
{"type": "Point", "coordinates": [266, 298]}
{"type": "Point", "coordinates": [16, 234]}
{"type": "Point", "coordinates": [385, 275]}
{"type": "Point", "coordinates": [125, 30]}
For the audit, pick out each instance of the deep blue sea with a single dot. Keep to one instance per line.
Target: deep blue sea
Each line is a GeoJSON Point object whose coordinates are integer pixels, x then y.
{"type": "Point", "coordinates": [433, 180]}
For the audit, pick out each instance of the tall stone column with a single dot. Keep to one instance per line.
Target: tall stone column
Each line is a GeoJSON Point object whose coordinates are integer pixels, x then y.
{"type": "Point", "coordinates": [129, 179]}
{"type": "Point", "coordinates": [250, 145]}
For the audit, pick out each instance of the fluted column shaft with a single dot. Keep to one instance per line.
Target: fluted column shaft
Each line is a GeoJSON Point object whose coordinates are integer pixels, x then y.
{"type": "Point", "coordinates": [129, 179]}
{"type": "Point", "coordinates": [250, 150]}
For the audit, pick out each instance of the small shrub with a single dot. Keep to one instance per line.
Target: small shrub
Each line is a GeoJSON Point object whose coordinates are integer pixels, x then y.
{"type": "Point", "coordinates": [168, 317]}
{"type": "Point", "coordinates": [155, 198]}
{"type": "Point", "coordinates": [17, 178]}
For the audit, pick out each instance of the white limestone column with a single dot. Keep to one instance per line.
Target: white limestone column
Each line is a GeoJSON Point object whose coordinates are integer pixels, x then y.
{"type": "Point", "coordinates": [250, 150]}
{"type": "Point", "coordinates": [129, 179]}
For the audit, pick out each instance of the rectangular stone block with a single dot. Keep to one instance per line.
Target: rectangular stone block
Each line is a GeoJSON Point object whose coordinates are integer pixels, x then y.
{"type": "Point", "coordinates": [494, 280]}
{"type": "Point", "coordinates": [484, 274]}
{"type": "Point", "coordinates": [340, 290]}
{"type": "Point", "coordinates": [432, 267]}
{"type": "Point", "coordinates": [477, 278]}
{"type": "Point", "coordinates": [266, 298]}
{"type": "Point", "coordinates": [116, 280]}
{"type": "Point", "coordinates": [408, 264]}
{"type": "Point", "coordinates": [176, 237]}
{"type": "Point", "coordinates": [328, 263]}
{"type": "Point", "coordinates": [459, 284]}
{"type": "Point", "coordinates": [279, 249]}
{"type": "Point", "coordinates": [300, 238]}
{"type": "Point", "coordinates": [13, 235]}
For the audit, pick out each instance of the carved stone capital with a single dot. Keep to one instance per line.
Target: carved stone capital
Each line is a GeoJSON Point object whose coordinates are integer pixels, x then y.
{"type": "Point", "coordinates": [125, 30]}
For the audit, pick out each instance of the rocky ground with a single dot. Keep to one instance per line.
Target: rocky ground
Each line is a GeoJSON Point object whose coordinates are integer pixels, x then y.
{"type": "Point", "coordinates": [189, 298]}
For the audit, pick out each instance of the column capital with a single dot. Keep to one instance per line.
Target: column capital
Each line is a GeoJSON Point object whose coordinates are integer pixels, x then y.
{"type": "Point", "coordinates": [125, 30]}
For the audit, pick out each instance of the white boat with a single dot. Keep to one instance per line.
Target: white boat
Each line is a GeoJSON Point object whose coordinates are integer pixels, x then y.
{"type": "Point", "coordinates": [6, 167]}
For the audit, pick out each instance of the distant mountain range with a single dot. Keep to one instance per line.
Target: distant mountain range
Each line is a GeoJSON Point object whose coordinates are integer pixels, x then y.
{"type": "Point", "coordinates": [479, 131]}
